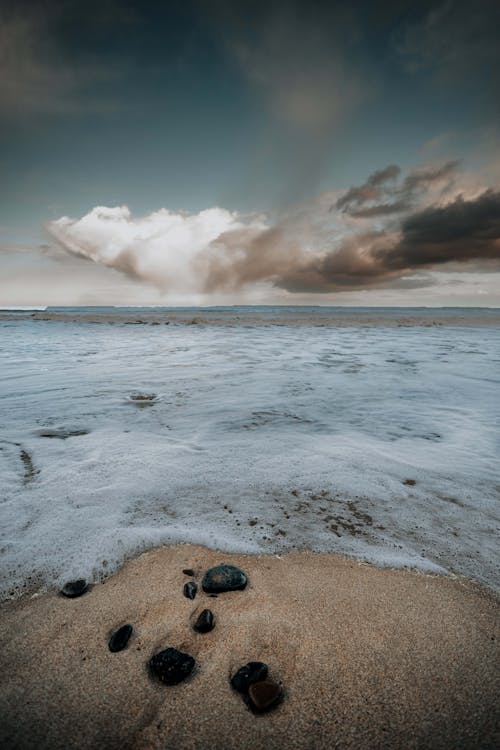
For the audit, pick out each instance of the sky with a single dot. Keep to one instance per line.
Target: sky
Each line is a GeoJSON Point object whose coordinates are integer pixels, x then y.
{"type": "Point", "coordinates": [227, 152]}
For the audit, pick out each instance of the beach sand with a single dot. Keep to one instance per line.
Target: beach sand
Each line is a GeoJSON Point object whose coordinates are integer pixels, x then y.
{"type": "Point", "coordinates": [368, 658]}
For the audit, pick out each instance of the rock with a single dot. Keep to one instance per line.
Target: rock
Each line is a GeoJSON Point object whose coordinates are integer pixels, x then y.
{"type": "Point", "coordinates": [223, 578]}
{"type": "Point", "coordinates": [171, 666]}
{"type": "Point", "coordinates": [62, 434]}
{"type": "Point", "coordinates": [190, 589]}
{"type": "Point", "coordinates": [265, 695]}
{"type": "Point", "coordinates": [188, 572]}
{"type": "Point", "coordinates": [120, 638]}
{"type": "Point", "coordinates": [205, 622]}
{"type": "Point", "coordinates": [73, 589]}
{"type": "Point", "coordinates": [254, 671]}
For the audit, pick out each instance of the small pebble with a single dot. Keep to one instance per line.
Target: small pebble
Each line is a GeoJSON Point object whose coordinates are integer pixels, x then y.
{"type": "Point", "coordinates": [254, 671]}
{"type": "Point", "coordinates": [223, 578]}
{"type": "Point", "coordinates": [171, 666]}
{"type": "Point", "coordinates": [188, 572]}
{"type": "Point", "coordinates": [73, 589]}
{"type": "Point", "coordinates": [205, 622]}
{"type": "Point", "coordinates": [264, 695]}
{"type": "Point", "coordinates": [120, 638]}
{"type": "Point", "coordinates": [190, 589]}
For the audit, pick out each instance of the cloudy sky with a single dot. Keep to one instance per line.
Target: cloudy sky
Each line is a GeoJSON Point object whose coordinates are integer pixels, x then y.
{"type": "Point", "coordinates": [225, 151]}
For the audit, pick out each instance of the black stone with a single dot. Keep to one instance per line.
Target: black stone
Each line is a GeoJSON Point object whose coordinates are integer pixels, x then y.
{"type": "Point", "coordinates": [73, 589]}
{"type": "Point", "coordinates": [120, 638]}
{"type": "Point", "coordinates": [223, 578]}
{"type": "Point", "coordinates": [188, 572]}
{"type": "Point", "coordinates": [205, 622]}
{"type": "Point", "coordinates": [190, 589]}
{"type": "Point", "coordinates": [171, 666]}
{"type": "Point", "coordinates": [254, 671]}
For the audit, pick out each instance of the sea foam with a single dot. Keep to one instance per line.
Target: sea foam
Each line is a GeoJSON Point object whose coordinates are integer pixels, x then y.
{"type": "Point", "coordinates": [379, 442]}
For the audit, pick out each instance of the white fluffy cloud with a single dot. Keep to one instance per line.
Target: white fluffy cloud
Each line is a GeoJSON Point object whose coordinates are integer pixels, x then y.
{"type": "Point", "coordinates": [163, 247]}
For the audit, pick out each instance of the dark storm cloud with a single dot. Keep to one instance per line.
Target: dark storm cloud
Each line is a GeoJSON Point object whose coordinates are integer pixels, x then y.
{"type": "Point", "coordinates": [380, 209]}
{"type": "Point", "coordinates": [423, 177]}
{"type": "Point", "coordinates": [459, 232]}
{"type": "Point", "coordinates": [384, 199]}
{"type": "Point", "coordinates": [371, 190]}
{"type": "Point", "coordinates": [380, 176]}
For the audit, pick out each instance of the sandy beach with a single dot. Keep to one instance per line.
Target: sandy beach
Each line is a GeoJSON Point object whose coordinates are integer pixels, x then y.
{"type": "Point", "coordinates": [367, 657]}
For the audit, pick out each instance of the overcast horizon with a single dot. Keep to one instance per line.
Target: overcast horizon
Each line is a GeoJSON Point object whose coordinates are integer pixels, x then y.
{"type": "Point", "coordinates": [249, 153]}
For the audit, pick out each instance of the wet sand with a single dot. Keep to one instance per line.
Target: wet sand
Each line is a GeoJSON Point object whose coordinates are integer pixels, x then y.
{"type": "Point", "coordinates": [368, 658]}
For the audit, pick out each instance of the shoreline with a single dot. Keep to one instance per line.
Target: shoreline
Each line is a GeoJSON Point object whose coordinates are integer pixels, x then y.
{"type": "Point", "coordinates": [268, 317]}
{"type": "Point", "coordinates": [38, 587]}
{"type": "Point", "coordinates": [367, 656]}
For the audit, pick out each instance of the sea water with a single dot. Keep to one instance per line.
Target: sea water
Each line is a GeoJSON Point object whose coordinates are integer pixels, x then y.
{"type": "Point", "coordinates": [374, 440]}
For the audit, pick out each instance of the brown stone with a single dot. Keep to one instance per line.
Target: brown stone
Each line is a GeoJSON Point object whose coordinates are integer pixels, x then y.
{"type": "Point", "coordinates": [264, 695]}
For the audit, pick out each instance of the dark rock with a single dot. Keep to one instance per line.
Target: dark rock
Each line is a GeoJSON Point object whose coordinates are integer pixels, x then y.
{"type": "Point", "coordinates": [205, 622]}
{"type": "Point", "coordinates": [120, 638]}
{"type": "Point", "coordinates": [188, 572]}
{"type": "Point", "coordinates": [171, 666]}
{"type": "Point", "coordinates": [73, 589]}
{"type": "Point", "coordinates": [254, 671]}
{"type": "Point", "coordinates": [62, 434]}
{"type": "Point", "coordinates": [223, 578]}
{"type": "Point", "coordinates": [264, 696]}
{"type": "Point", "coordinates": [190, 589]}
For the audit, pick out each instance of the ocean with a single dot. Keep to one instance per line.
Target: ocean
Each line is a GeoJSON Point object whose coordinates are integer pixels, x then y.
{"type": "Point", "coordinates": [365, 431]}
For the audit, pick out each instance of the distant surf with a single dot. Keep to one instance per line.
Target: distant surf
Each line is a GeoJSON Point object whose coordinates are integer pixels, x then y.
{"type": "Point", "coordinates": [14, 308]}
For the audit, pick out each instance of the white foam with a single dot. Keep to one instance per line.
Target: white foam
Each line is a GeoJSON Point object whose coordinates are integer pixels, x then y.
{"type": "Point", "coordinates": [261, 439]}
{"type": "Point", "coordinates": [17, 308]}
